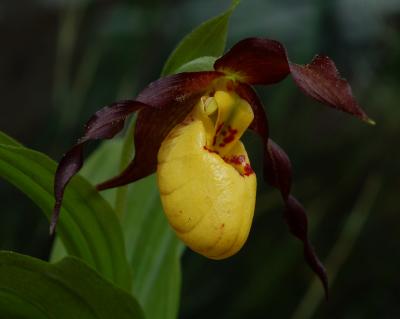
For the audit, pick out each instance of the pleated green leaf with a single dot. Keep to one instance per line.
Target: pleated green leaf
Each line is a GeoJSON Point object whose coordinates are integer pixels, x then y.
{"type": "Point", "coordinates": [208, 39]}
{"type": "Point", "coordinates": [33, 289]}
{"type": "Point", "coordinates": [88, 226]}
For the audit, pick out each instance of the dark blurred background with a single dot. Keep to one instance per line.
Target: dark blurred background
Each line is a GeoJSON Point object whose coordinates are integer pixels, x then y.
{"type": "Point", "coordinates": [62, 60]}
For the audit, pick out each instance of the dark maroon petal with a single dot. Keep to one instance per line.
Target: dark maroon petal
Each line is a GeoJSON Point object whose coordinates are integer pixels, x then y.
{"type": "Point", "coordinates": [260, 121]}
{"type": "Point", "coordinates": [321, 80]}
{"type": "Point", "coordinates": [177, 88]}
{"type": "Point", "coordinates": [278, 173]}
{"type": "Point", "coordinates": [69, 165]}
{"type": "Point", "coordinates": [277, 168]}
{"type": "Point", "coordinates": [255, 61]}
{"type": "Point", "coordinates": [174, 98]}
{"type": "Point", "coordinates": [152, 126]}
{"type": "Point", "coordinates": [104, 124]}
{"type": "Point", "coordinates": [296, 218]}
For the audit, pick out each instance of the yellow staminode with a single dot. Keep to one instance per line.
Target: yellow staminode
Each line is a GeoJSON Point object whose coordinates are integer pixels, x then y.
{"type": "Point", "coordinates": [207, 186]}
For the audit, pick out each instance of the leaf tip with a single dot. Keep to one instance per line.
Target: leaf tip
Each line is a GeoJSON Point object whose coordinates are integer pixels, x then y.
{"type": "Point", "coordinates": [234, 4]}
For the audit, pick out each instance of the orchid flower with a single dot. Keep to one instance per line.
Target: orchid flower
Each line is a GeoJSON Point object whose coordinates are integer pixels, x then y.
{"type": "Point", "coordinates": [188, 130]}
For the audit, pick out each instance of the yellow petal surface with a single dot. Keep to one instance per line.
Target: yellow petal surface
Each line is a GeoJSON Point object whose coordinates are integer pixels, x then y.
{"type": "Point", "coordinates": [207, 201]}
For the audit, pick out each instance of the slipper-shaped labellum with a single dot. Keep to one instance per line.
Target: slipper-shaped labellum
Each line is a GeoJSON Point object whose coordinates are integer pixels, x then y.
{"type": "Point", "coordinates": [188, 129]}
{"type": "Point", "coordinates": [207, 186]}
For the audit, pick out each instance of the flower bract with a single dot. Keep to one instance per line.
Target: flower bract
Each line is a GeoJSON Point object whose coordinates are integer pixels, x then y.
{"type": "Point", "coordinates": [188, 130]}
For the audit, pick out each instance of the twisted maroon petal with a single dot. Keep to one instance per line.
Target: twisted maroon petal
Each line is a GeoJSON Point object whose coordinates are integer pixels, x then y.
{"type": "Point", "coordinates": [255, 61]}
{"type": "Point", "coordinates": [104, 124]}
{"type": "Point", "coordinates": [278, 173]}
{"type": "Point", "coordinates": [277, 168]}
{"type": "Point", "coordinates": [321, 80]}
{"type": "Point", "coordinates": [296, 218]}
{"type": "Point", "coordinates": [173, 98]}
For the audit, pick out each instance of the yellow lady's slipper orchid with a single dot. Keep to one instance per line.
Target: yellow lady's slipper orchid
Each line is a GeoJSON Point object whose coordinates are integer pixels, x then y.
{"type": "Point", "coordinates": [188, 130]}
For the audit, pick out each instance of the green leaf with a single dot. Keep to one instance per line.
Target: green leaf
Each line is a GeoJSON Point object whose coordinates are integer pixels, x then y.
{"type": "Point", "coordinates": [208, 39]}
{"type": "Point", "coordinates": [204, 63]}
{"type": "Point", "coordinates": [8, 140]}
{"type": "Point", "coordinates": [31, 288]}
{"type": "Point", "coordinates": [153, 250]}
{"type": "Point", "coordinates": [88, 226]}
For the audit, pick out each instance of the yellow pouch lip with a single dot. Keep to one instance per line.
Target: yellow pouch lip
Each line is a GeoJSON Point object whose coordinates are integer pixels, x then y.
{"type": "Point", "coordinates": [209, 197]}
{"type": "Point", "coordinates": [207, 202]}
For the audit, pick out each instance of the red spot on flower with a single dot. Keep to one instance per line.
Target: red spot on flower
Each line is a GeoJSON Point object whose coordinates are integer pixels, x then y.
{"type": "Point", "coordinates": [248, 170]}
{"type": "Point", "coordinates": [229, 136]}
{"type": "Point", "coordinates": [236, 159]}
{"type": "Point", "coordinates": [239, 161]}
{"type": "Point", "coordinates": [219, 128]}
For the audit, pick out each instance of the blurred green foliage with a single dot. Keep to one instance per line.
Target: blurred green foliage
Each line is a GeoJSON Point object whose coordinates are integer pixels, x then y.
{"type": "Point", "coordinates": [62, 60]}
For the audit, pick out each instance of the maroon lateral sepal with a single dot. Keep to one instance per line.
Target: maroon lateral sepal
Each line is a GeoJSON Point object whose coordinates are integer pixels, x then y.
{"type": "Point", "coordinates": [172, 99]}
{"type": "Point", "coordinates": [321, 80]}
{"type": "Point", "coordinates": [104, 124]}
{"type": "Point", "coordinates": [255, 61]}
{"type": "Point", "coordinates": [278, 173]}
